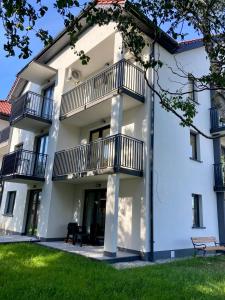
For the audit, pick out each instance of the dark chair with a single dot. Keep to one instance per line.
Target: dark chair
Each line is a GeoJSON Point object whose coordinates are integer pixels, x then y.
{"type": "Point", "coordinates": [82, 235]}
{"type": "Point", "coordinates": [72, 231]}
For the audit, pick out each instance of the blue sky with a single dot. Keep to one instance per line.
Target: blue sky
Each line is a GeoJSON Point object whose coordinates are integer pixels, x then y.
{"type": "Point", "coordinates": [10, 66]}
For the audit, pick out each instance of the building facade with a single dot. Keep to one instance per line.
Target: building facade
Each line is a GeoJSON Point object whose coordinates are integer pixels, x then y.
{"type": "Point", "coordinates": [92, 145]}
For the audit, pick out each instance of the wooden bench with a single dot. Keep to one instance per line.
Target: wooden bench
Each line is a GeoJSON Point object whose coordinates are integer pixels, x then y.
{"type": "Point", "coordinates": [206, 244]}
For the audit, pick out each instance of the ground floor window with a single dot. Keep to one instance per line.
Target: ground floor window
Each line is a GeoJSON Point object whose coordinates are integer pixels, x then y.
{"type": "Point", "coordinates": [196, 210]}
{"type": "Point", "coordinates": [10, 202]}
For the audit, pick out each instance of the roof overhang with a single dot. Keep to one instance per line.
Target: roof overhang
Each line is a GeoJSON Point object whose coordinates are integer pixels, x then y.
{"type": "Point", "coordinates": [37, 73]}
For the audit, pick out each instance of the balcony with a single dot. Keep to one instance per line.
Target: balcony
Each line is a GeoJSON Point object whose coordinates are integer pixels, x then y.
{"type": "Point", "coordinates": [4, 140]}
{"type": "Point", "coordinates": [217, 121]}
{"type": "Point", "coordinates": [4, 135]}
{"type": "Point", "coordinates": [31, 112]}
{"type": "Point", "coordinates": [23, 166]}
{"type": "Point", "coordinates": [114, 154]}
{"type": "Point", "coordinates": [122, 77]}
{"type": "Point", "coordinates": [219, 173]}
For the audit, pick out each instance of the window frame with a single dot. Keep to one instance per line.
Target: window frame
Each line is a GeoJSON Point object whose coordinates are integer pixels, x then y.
{"type": "Point", "coordinates": [9, 208]}
{"type": "Point", "coordinates": [197, 211]}
{"type": "Point", "coordinates": [18, 147]}
{"type": "Point", "coordinates": [194, 154]}
{"type": "Point", "coordinates": [191, 89]}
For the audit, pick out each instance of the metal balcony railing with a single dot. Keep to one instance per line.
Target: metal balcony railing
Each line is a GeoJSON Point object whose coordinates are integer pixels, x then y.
{"type": "Point", "coordinates": [32, 104]}
{"type": "Point", "coordinates": [217, 123]}
{"type": "Point", "coordinates": [4, 134]}
{"type": "Point", "coordinates": [122, 75]}
{"type": "Point", "coordinates": [118, 152]}
{"type": "Point", "coordinates": [219, 173]}
{"type": "Point", "coordinates": [24, 163]}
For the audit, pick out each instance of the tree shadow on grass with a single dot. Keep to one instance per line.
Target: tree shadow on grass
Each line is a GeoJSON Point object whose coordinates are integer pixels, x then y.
{"type": "Point", "coordinates": [29, 271]}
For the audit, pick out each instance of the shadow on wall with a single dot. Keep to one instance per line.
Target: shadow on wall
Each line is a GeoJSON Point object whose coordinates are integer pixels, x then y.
{"type": "Point", "coordinates": [131, 229]}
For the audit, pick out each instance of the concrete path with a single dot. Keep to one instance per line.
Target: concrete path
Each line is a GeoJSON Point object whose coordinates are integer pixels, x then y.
{"type": "Point", "coordinates": [92, 252]}
{"type": "Point", "coordinates": [8, 239]}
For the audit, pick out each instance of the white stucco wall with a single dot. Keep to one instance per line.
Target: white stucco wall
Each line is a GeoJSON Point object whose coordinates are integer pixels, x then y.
{"type": "Point", "coordinates": [176, 176]}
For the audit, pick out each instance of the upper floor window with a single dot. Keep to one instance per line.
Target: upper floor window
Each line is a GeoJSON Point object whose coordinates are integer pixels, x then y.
{"type": "Point", "coordinates": [192, 89]}
{"type": "Point", "coordinates": [195, 146]}
{"type": "Point", "coordinates": [99, 133]}
{"type": "Point", "coordinates": [10, 202]}
{"type": "Point", "coordinates": [18, 147]}
{"type": "Point", "coordinates": [197, 211]}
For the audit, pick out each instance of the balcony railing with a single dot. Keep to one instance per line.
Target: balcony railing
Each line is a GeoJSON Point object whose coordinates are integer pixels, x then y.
{"type": "Point", "coordinates": [217, 123]}
{"type": "Point", "coordinates": [219, 173]}
{"type": "Point", "coordinates": [120, 76]}
{"type": "Point", "coordinates": [32, 105]}
{"type": "Point", "coordinates": [24, 163]}
{"type": "Point", "coordinates": [117, 153]}
{"type": "Point", "coordinates": [4, 134]}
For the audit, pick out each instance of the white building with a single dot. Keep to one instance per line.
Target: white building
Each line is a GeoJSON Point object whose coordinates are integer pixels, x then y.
{"type": "Point", "coordinates": [91, 144]}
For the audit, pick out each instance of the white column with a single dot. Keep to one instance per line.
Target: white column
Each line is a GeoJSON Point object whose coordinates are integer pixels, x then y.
{"type": "Point", "coordinates": [46, 201]}
{"type": "Point", "coordinates": [112, 202]}
{"type": "Point", "coordinates": [111, 221]}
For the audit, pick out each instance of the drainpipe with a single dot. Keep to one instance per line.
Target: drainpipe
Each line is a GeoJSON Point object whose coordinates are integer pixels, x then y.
{"type": "Point", "coordinates": [151, 147]}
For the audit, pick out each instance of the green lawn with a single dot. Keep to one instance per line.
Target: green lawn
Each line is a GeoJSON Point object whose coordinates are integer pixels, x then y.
{"type": "Point", "coordinates": [29, 271]}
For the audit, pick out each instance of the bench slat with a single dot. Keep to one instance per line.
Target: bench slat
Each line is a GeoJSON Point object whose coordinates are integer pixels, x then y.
{"type": "Point", "coordinates": [207, 239]}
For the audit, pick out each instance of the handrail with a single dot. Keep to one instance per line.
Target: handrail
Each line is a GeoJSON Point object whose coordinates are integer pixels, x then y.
{"type": "Point", "coordinates": [24, 162]}
{"type": "Point", "coordinates": [4, 134]}
{"type": "Point", "coordinates": [32, 104]}
{"type": "Point", "coordinates": [122, 74]}
{"type": "Point", "coordinates": [116, 151]}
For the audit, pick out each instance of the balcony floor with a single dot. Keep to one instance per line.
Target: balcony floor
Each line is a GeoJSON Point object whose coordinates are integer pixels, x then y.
{"type": "Point", "coordinates": [90, 178]}
{"type": "Point", "coordinates": [23, 179]}
{"type": "Point", "coordinates": [31, 123]}
{"type": "Point", "coordinates": [98, 110]}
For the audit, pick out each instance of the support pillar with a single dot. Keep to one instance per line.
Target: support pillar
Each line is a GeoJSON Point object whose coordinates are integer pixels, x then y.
{"type": "Point", "coordinates": [113, 184]}
{"type": "Point", "coordinates": [111, 222]}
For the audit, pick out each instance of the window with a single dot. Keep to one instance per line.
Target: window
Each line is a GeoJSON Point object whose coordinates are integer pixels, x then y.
{"type": "Point", "coordinates": [100, 133]}
{"type": "Point", "coordinates": [196, 210]}
{"type": "Point", "coordinates": [10, 202]}
{"type": "Point", "coordinates": [192, 89]}
{"type": "Point", "coordinates": [18, 147]}
{"type": "Point", "coordinates": [194, 142]}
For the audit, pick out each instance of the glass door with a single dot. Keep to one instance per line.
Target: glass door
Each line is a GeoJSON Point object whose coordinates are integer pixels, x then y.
{"type": "Point", "coordinates": [47, 102]}
{"type": "Point", "coordinates": [100, 148]}
{"type": "Point", "coordinates": [33, 212]}
{"type": "Point", "coordinates": [41, 150]}
{"type": "Point", "coordinates": [94, 215]}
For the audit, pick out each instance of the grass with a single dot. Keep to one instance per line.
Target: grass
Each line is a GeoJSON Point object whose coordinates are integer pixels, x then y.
{"type": "Point", "coordinates": [29, 271]}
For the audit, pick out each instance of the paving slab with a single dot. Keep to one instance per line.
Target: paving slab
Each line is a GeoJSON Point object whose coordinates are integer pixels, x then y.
{"type": "Point", "coordinates": [9, 239]}
{"type": "Point", "coordinates": [92, 252]}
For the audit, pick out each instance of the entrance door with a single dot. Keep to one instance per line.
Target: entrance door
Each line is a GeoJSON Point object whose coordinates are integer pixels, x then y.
{"type": "Point", "coordinates": [33, 212]}
{"type": "Point", "coordinates": [94, 215]}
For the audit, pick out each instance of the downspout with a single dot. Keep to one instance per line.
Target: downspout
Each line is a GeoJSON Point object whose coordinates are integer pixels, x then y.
{"type": "Point", "coordinates": [151, 195]}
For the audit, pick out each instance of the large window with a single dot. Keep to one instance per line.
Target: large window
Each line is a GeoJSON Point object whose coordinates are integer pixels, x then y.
{"type": "Point", "coordinates": [10, 202]}
{"type": "Point", "coordinates": [195, 147]}
{"type": "Point", "coordinates": [197, 211]}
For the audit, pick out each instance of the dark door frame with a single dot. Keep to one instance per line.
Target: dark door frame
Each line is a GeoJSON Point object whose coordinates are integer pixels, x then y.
{"type": "Point", "coordinates": [31, 192]}
{"type": "Point", "coordinates": [85, 197]}
{"type": "Point", "coordinates": [51, 86]}
{"type": "Point", "coordinates": [36, 150]}
{"type": "Point", "coordinates": [100, 129]}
